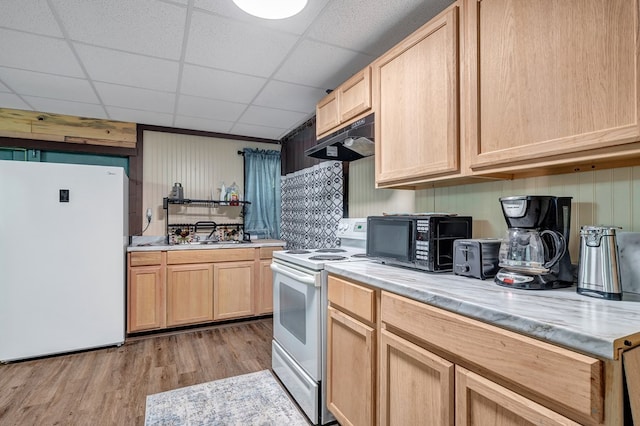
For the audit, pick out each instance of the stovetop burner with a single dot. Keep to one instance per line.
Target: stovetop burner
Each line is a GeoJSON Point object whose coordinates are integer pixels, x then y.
{"type": "Point", "coordinates": [327, 257]}
{"type": "Point", "coordinates": [330, 250]}
{"type": "Point", "coordinates": [299, 251]}
{"type": "Point", "coordinates": [359, 255]}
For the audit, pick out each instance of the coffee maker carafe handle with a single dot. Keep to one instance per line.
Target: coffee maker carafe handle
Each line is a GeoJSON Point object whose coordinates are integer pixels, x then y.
{"type": "Point", "coordinates": [560, 246]}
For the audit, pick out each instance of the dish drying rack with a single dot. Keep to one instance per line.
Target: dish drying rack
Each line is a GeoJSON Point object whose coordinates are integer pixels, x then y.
{"type": "Point", "coordinates": [186, 233]}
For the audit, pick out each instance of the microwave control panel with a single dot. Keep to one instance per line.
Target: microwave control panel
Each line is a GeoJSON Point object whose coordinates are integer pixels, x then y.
{"type": "Point", "coordinates": [422, 242]}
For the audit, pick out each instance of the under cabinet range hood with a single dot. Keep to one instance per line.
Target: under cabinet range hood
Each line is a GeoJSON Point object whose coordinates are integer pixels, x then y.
{"type": "Point", "coordinates": [350, 143]}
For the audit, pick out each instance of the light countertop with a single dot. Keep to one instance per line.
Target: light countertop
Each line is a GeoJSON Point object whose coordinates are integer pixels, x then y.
{"type": "Point", "coordinates": [169, 247]}
{"type": "Point", "coordinates": [593, 326]}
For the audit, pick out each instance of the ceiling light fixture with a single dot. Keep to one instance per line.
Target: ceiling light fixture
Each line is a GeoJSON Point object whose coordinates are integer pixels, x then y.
{"type": "Point", "coordinates": [271, 9]}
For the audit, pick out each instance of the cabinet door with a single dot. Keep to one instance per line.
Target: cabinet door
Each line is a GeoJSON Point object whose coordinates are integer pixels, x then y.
{"type": "Point", "coordinates": [189, 294]}
{"type": "Point", "coordinates": [327, 113]}
{"type": "Point", "coordinates": [355, 95]}
{"type": "Point", "coordinates": [631, 361]}
{"type": "Point", "coordinates": [416, 96]}
{"type": "Point", "coordinates": [233, 290]}
{"type": "Point", "coordinates": [416, 386]}
{"type": "Point", "coordinates": [264, 303]}
{"type": "Point", "coordinates": [551, 78]}
{"type": "Point", "coordinates": [482, 402]}
{"type": "Point", "coordinates": [350, 369]}
{"type": "Point", "coordinates": [146, 298]}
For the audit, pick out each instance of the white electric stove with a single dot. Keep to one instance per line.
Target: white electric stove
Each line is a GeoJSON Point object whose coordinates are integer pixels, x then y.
{"type": "Point", "coordinates": [299, 315]}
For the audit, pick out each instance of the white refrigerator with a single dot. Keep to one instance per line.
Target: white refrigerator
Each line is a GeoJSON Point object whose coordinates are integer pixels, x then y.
{"type": "Point", "coordinates": [63, 238]}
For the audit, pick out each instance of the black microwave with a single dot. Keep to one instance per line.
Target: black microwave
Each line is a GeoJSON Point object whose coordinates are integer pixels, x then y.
{"type": "Point", "coordinates": [423, 242]}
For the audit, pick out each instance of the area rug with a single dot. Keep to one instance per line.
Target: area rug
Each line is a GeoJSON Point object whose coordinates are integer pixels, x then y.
{"type": "Point", "coordinates": [250, 399]}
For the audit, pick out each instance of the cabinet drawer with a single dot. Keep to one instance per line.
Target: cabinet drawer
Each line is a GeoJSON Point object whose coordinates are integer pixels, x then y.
{"type": "Point", "coordinates": [209, 256]}
{"type": "Point", "coordinates": [554, 374]}
{"type": "Point", "coordinates": [353, 298]}
{"type": "Point", "coordinates": [145, 258]}
{"type": "Point", "coordinates": [267, 252]}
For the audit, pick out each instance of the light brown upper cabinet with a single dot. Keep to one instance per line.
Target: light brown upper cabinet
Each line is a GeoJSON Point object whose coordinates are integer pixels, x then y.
{"type": "Point", "coordinates": [346, 102]}
{"type": "Point", "coordinates": [552, 84]}
{"type": "Point", "coordinates": [416, 100]}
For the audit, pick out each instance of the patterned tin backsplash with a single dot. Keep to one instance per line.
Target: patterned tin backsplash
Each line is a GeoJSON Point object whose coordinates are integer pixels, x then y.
{"type": "Point", "coordinates": [312, 206]}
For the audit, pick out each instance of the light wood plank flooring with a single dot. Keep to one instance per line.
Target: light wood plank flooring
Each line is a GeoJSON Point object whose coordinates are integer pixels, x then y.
{"type": "Point", "coordinates": [109, 386]}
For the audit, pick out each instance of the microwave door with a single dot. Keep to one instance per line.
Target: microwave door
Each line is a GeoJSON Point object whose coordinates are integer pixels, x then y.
{"type": "Point", "coordinates": [391, 239]}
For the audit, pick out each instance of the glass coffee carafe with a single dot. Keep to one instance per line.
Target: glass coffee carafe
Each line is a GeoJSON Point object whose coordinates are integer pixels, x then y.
{"type": "Point", "coordinates": [530, 251]}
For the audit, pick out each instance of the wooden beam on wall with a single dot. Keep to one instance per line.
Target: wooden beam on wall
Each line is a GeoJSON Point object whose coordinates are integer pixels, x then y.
{"type": "Point", "coordinates": [66, 129]}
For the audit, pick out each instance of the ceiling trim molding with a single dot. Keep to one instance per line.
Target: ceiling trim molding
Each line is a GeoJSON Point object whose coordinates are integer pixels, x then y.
{"type": "Point", "coordinates": [205, 133]}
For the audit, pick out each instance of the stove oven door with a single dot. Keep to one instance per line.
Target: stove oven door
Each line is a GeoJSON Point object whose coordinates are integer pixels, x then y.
{"type": "Point", "coordinates": [296, 314]}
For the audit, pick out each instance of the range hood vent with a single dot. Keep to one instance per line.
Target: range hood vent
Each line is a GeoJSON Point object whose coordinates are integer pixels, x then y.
{"type": "Point", "coordinates": [347, 144]}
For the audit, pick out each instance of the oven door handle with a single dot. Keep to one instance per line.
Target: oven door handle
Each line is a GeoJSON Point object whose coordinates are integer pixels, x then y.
{"type": "Point", "coordinates": [303, 278]}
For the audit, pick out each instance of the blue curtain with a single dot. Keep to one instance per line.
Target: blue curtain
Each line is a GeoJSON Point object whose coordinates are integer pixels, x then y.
{"type": "Point", "coordinates": [262, 189]}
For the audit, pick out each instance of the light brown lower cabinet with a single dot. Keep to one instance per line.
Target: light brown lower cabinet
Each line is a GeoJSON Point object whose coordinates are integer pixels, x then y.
{"type": "Point", "coordinates": [188, 287]}
{"type": "Point", "coordinates": [233, 289]}
{"type": "Point", "coordinates": [189, 294]}
{"type": "Point", "coordinates": [264, 281]}
{"type": "Point", "coordinates": [146, 298]}
{"type": "Point", "coordinates": [420, 387]}
{"type": "Point", "coordinates": [435, 367]}
{"type": "Point", "coordinates": [264, 293]}
{"type": "Point", "coordinates": [350, 369]}
{"type": "Point", "coordinates": [501, 377]}
{"type": "Point", "coordinates": [416, 386]}
{"type": "Point", "coordinates": [351, 352]}
{"type": "Point", "coordinates": [480, 401]}
{"type": "Point", "coordinates": [146, 292]}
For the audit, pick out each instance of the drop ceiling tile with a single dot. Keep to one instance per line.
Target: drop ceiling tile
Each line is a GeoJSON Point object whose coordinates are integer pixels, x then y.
{"type": "Point", "coordinates": [37, 53]}
{"type": "Point", "coordinates": [9, 100]}
{"type": "Point", "coordinates": [192, 106]}
{"type": "Point", "coordinates": [205, 124]}
{"type": "Point", "coordinates": [29, 15]}
{"type": "Point", "coordinates": [135, 98]}
{"type": "Point", "coordinates": [147, 27]}
{"type": "Point", "coordinates": [270, 117]}
{"type": "Point", "coordinates": [79, 109]}
{"type": "Point", "coordinates": [308, 65]}
{"type": "Point", "coordinates": [257, 131]}
{"type": "Point", "coordinates": [221, 85]}
{"type": "Point", "coordinates": [236, 46]}
{"type": "Point", "coordinates": [293, 97]}
{"type": "Point", "coordinates": [137, 116]}
{"type": "Point", "coordinates": [128, 69]}
{"type": "Point", "coordinates": [354, 24]}
{"type": "Point", "coordinates": [48, 86]}
{"type": "Point", "coordinates": [297, 24]}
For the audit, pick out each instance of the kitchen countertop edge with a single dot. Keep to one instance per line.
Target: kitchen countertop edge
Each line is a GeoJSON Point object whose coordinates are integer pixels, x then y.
{"type": "Point", "coordinates": [216, 246]}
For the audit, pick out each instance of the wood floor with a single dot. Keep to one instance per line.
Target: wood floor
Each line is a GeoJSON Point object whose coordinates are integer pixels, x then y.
{"type": "Point", "coordinates": [109, 386]}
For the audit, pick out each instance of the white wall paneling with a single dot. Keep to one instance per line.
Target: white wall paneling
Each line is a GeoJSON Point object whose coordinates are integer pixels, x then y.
{"type": "Point", "coordinates": [200, 164]}
{"type": "Point", "coordinates": [366, 200]}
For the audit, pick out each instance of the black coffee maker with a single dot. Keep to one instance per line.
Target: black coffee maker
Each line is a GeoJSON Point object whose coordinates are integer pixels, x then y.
{"type": "Point", "coordinates": [534, 255]}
